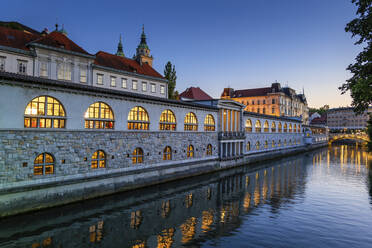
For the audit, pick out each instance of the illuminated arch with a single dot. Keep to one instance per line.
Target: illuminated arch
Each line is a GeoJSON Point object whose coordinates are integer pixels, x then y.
{"type": "Point", "coordinates": [99, 115]}
{"type": "Point", "coordinates": [138, 119]}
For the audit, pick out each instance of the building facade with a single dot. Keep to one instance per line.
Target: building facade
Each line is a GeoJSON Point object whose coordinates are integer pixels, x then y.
{"type": "Point", "coordinates": [274, 100]}
{"type": "Point", "coordinates": [346, 119]}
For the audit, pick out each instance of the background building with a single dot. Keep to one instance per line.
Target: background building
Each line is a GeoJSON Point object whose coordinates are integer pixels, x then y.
{"type": "Point", "coordinates": [346, 119]}
{"type": "Point", "coordinates": [274, 100]}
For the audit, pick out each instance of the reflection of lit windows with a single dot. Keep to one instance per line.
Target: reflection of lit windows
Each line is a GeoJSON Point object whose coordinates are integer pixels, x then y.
{"type": "Point", "coordinates": [188, 200]}
{"type": "Point", "coordinates": [139, 244]}
{"type": "Point", "coordinates": [247, 201]}
{"type": "Point", "coordinates": [165, 209]}
{"type": "Point", "coordinates": [44, 164]}
{"type": "Point", "coordinates": [44, 112]}
{"type": "Point", "coordinates": [188, 230]}
{"type": "Point", "coordinates": [135, 219]}
{"type": "Point", "coordinates": [165, 238]}
{"type": "Point", "coordinates": [96, 232]}
{"type": "Point", "coordinates": [207, 220]}
{"type": "Point", "coordinates": [46, 242]}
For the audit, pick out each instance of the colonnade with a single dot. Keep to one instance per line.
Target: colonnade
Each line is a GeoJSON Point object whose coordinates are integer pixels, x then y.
{"type": "Point", "coordinates": [231, 148]}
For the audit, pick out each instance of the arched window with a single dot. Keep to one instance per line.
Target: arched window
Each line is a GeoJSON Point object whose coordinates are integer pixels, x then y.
{"type": "Point", "coordinates": [190, 151]}
{"type": "Point", "coordinates": [44, 164]}
{"type": "Point", "coordinates": [273, 127]}
{"type": "Point", "coordinates": [299, 128]}
{"type": "Point", "coordinates": [99, 116]}
{"type": "Point", "coordinates": [209, 124]}
{"type": "Point", "coordinates": [167, 153]}
{"type": "Point", "coordinates": [290, 142]}
{"type": "Point", "coordinates": [209, 150]}
{"type": "Point", "coordinates": [279, 127]}
{"type": "Point", "coordinates": [285, 143]}
{"type": "Point", "coordinates": [257, 145]}
{"type": "Point", "coordinates": [248, 146]}
{"type": "Point", "coordinates": [98, 159]}
{"type": "Point", "coordinates": [248, 126]}
{"type": "Point", "coordinates": [279, 143]}
{"type": "Point", "coordinates": [266, 144]}
{"type": "Point", "coordinates": [191, 122]}
{"type": "Point", "coordinates": [167, 120]}
{"type": "Point", "coordinates": [273, 143]}
{"type": "Point", "coordinates": [285, 128]}
{"type": "Point", "coordinates": [294, 128]}
{"type": "Point", "coordinates": [138, 119]}
{"type": "Point", "coordinates": [137, 156]}
{"type": "Point", "coordinates": [266, 127]}
{"type": "Point", "coordinates": [290, 128]}
{"type": "Point", "coordinates": [257, 127]}
{"type": "Point", "coordinates": [44, 112]}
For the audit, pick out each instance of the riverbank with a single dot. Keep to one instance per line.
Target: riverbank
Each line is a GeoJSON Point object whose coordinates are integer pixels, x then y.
{"type": "Point", "coordinates": [25, 198]}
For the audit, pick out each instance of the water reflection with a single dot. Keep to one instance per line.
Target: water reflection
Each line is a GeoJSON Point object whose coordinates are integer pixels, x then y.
{"type": "Point", "coordinates": [186, 213]}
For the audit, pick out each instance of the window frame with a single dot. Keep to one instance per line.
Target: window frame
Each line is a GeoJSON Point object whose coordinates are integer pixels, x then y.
{"type": "Point", "coordinates": [134, 85]}
{"type": "Point", "coordinates": [190, 151]}
{"type": "Point", "coordinates": [99, 76]}
{"type": "Point", "coordinates": [188, 123]}
{"type": "Point", "coordinates": [97, 161]}
{"type": "Point", "coordinates": [209, 123]}
{"type": "Point", "coordinates": [124, 83]}
{"type": "Point", "coordinates": [112, 81]}
{"type": "Point", "coordinates": [99, 122]}
{"type": "Point", "coordinates": [166, 124]}
{"type": "Point", "coordinates": [44, 164]}
{"type": "Point", "coordinates": [137, 156]}
{"type": "Point", "coordinates": [138, 119]}
{"type": "Point", "coordinates": [167, 153]}
{"type": "Point", "coordinates": [22, 66]}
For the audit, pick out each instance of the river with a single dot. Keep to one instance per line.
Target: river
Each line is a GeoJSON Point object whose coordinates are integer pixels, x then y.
{"type": "Point", "coordinates": [318, 199]}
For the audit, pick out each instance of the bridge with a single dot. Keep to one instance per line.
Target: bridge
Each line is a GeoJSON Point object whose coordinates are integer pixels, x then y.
{"type": "Point", "coordinates": [362, 137]}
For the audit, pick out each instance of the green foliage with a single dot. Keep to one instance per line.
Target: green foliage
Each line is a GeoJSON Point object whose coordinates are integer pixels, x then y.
{"type": "Point", "coordinates": [321, 110]}
{"type": "Point", "coordinates": [170, 75]}
{"type": "Point", "coordinates": [360, 84]}
{"type": "Point", "coordinates": [369, 132]}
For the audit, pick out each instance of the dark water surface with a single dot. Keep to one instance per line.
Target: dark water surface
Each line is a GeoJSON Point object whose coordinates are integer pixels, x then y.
{"type": "Point", "coordinates": [318, 199]}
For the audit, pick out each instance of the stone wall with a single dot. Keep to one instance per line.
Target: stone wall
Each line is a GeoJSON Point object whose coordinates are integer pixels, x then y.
{"type": "Point", "coordinates": [72, 150]}
{"type": "Point", "coordinates": [290, 139]}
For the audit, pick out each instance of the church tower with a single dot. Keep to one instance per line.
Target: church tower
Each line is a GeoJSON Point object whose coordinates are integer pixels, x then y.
{"type": "Point", "coordinates": [143, 51]}
{"type": "Point", "coordinates": [120, 52]}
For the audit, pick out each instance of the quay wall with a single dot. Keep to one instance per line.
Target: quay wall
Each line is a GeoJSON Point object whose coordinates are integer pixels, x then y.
{"type": "Point", "coordinates": [74, 179]}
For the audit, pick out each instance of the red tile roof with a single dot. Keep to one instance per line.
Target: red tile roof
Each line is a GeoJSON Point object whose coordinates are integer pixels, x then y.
{"type": "Point", "coordinates": [59, 40]}
{"type": "Point", "coordinates": [195, 93]}
{"type": "Point", "coordinates": [125, 64]}
{"type": "Point", "coordinates": [319, 120]}
{"type": "Point", "coordinates": [16, 38]}
{"type": "Point", "coordinates": [252, 92]}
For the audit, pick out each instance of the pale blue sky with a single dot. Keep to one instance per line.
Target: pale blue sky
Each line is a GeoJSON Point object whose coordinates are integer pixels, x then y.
{"type": "Point", "coordinates": [214, 44]}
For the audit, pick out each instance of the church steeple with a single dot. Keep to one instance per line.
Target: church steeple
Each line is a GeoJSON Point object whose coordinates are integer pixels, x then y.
{"type": "Point", "coordinates": [120, 52]}
{"type": "Point", "coordinates": [143, 51]}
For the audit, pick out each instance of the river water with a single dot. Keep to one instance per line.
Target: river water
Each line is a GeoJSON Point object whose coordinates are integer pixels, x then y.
{"type": "Point", "coordinates": [318, 199]}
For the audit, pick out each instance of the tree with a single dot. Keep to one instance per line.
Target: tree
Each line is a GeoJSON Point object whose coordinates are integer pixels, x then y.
{"type": "Point", "coordinates": [170, 75]}
{"type": "Point", "coordinates": [369, 132]}
{"type": "Point", "coordinates": [360, 84]}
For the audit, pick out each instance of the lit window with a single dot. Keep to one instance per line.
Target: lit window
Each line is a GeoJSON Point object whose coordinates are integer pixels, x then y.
{"type": "Point", "coordinates": [44, 112]}
{"type": "Point", "coordinates": [98, 159]}
{"type": "Point", "coordinates": [257, 145]}
{"type": "Point", "coordinates": [113, 81]}
{"type": "Point", "coordinates": [248, 126]}
{"type": "Point", "coordinates": [162, 89]}
{"type": "Point", "coordinates": [290, 128]}
{"type": "Point", "coordinates": [124, 83]}
{"type": "Point", "coordinates": [273, 127]}
{"type": "Point", "coordinates": [144, 86]}
{"type": "Point", "coordinates": [83, 74]}
{"type": "Point", "coordinates": [191, 122]}
{"type": "Point", "coordinates": [100, 79]}
{"type": "Point", "coordinates": [257, 126]}
{"type": "Point", "coordinates": [299, 128]}
{"type": "Point", "coordinates": [137, 156]}
{"type": "Point", "coordinates": [209, 150]}
{"type": "Point", "coordinates": [273, 144]}
{"type": "Point", "coordinates": [248, 146]}
{"type": "Point", "coordinates": [279, 127]}
{"type": "Point", "coordinates": [167, 120]}
{"type": "Point", "coordinates": [285, 128]}
{"type": "Point", "coordinates": [2, 63]}
{"type": "Point", "coordinates": [134, 85]}
{"type": "Point", "coordinates": [135, 222]}
{"type": "Point", "coordinates": [64, 71]}
{"type": "Point", "coordinates": [22, 67]}
{"type": "Point", "coordinates": [285, 143]}
{"type": "Point", "coordinates": [266, 127]}
{"type": "Point", "coordinates": [138, 119]}
{"type": "Point", "coordinates": [209, 124]}
{"type": "Point", "coordinates": [99, 116]}
{"type": "Point", "coordinates": [43, 69]}
{"type": "Point", "coordinates": [190, 151]}
{"type": "Point", "coordinates": [279, 143]}
{"type": "Point", "coordinates": [167, 153]}
{"type": "Point", "coordinates": [153, 88]}
{"type": "Point", "coordinates": [266, 145]}
{"type": "Point", "coordinates": [44, 164]}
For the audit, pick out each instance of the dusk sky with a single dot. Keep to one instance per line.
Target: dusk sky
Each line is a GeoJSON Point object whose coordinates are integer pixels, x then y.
{"type": "Point", "coordinates": [215, 44]}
